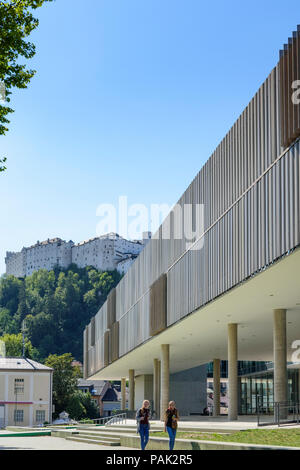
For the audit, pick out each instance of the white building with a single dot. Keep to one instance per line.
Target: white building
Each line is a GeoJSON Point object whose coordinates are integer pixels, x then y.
{"type": "Point", "coordinates": [105, 253]}
{"type": "Point", "coordinates": [25, 392]}
{"type": "Point", "coordinates": [125, 264]}
{"type": "Point", "coordinates": [16, 263]}
{"type": "Point", "coordinates": [42, 255]}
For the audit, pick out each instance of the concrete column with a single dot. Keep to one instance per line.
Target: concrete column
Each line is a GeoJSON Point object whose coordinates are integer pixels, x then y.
{"type": "Point", "coordinates": [165, 379]}
{"type": "Point", "coordinates": [280, 357]}
{"type": "Point", "coordinates": [156, 387]}
{"type": "Point", "coordinates": [217, 387]}
{"type": "Point", "coordinates": [159, 388]}
{"type": "Point", "coordinates": [232, 372]}
{"type": "Point", "coordinates": [123, 393]}
{"type": "Point", "coordinates": [131, 390]}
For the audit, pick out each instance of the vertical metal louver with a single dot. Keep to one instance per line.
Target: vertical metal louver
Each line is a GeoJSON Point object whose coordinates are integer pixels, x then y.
{"type": "Point", "coordinates": [158, 306]}
{"type": "Point", "coordinates": [289, 66]}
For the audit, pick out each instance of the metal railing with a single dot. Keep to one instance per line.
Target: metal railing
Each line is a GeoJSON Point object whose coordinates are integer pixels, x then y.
{"type": "Point", "coordinates": [117, 419]}
{"type": "Point", "coordinates": [278, 414]}
{"type": "Point", "coordinates": [286, 413]}
{"type": "Point", "coordinates": [108, 420]}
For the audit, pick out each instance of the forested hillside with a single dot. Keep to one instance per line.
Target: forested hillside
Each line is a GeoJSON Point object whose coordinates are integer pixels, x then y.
{"type": "Point", "coordinates": [56, 305]}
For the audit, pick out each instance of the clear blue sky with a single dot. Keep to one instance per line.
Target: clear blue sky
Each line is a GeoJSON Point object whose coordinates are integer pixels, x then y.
{"type": "Point", "coordinates": [131, 98]}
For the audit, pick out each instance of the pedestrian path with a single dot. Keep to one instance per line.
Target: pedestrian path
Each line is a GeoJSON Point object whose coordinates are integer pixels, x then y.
{"type": "Point", "coordinates": [204, 423]}
{"type": "Point", "coordinates": [48, 443]}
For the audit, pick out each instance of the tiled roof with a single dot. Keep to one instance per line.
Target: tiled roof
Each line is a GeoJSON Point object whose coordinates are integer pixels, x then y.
{"type": "Point", "coordinates": [110, 395]}
{"type": "Point", "coordinates": [20, 363]}
{"type": "Point", "coordinates": [98, 385]}
{"type": "Point", "coordinates": [84, 383]}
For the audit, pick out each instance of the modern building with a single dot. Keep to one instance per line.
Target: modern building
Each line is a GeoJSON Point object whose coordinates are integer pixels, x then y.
{"type": "Point", "coordinates": [223, 396]}
{"type": "Point", "coordinates": [256, 390]}
{"type": "Point", "coordinates": [105, 253]}
{"type": "Point", "coordinates": [25, 392]}
{"type": "Point", "coordinates": [232, 293]}
{"type": "Point", "coordinates": [244, 367]}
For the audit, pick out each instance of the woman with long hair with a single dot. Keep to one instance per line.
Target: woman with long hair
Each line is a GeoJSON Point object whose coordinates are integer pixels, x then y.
{"type": "Point", "coordinates": [143, 416]}
{"type": "Point", "coordinates": [171, 420]}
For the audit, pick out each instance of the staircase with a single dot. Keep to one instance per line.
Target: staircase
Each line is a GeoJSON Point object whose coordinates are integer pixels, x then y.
{"type": "Point", "coordinates": [95, 437]}
{"type": "Point", "coordinates": [110, 435]}
{"type": "Point", "coordinates": [104, 431]}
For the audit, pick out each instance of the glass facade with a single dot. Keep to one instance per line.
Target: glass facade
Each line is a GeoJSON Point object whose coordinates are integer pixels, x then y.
{"type": "Point", "coordinates": [244, 367]}
{"type": "Point", "coordinates": [256, 390]}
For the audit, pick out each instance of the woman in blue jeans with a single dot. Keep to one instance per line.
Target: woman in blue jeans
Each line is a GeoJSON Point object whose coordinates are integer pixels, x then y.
{"type": "Point", "coordinates": [143, 416]}
{"type": "Point", "coordinates": [171, 419]}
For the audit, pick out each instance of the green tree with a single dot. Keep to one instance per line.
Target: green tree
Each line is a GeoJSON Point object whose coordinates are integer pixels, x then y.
{"type": "Point", "coordinates": [82, 406]}
{"type": "Point", "coordinates": [75, 406]}
{"type": "Point", "coordinates": [14, 346]}
{"type": "Point", "coordinates": [5, 321]}
{"type": "Point", "coordinates": [17, 23]}
{"type": "Point", "coordinates": [65, 377]}
{"type": "Point", "coordinates": [37, 330]}
{"type": "Point", "coordinates": [56, 305]}
{"type": "Point", "coordinates": [91, 408]}
{"type": "Point", "coordinates": [10, 288]}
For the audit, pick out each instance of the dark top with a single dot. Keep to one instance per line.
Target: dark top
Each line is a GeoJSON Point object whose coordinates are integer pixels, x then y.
{"type": "Point", "coordinates": [144, 416]}
{"type": "Point", "coordinates": [169, 416]}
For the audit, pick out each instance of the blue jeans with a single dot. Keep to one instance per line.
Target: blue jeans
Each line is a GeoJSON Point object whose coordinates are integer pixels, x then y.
{"type": "Point", "coordinates": [172, 436]}
{"type": "Point", "coordinates": [144, 433]}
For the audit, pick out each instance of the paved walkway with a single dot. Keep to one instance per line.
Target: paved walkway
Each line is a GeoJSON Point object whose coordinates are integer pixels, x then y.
{"type": "Point", "coordinates": [244, 422]}
{"type": "Point", "coordinates": [49, 443]}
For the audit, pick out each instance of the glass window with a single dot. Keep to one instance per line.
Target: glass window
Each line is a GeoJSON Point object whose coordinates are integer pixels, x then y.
{"type": "Point", "coordinates": [19, 385]}
{"type": "Point", "coordinates": [40, 416]}
{"type": "Point", "coordinates": [18, 416]}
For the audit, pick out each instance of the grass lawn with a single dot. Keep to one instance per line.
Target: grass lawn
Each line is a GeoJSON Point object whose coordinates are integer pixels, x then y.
{"type": "Point", "coordinates": [275, 437]}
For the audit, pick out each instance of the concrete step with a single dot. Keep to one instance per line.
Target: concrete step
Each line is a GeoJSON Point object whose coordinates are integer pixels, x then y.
{"type": "Point", "coordinates": [103, 436]}
{"type": "Point", "coordinates": [204, 429]}
{"type": "Point", "coordinates": [88, 440]}
{"type": "Point", "coordinates": [110, 429]}
{"type": "Point", "coordinates": [124, 429]}
{"type": "Point", "coordinates": [130, 428]}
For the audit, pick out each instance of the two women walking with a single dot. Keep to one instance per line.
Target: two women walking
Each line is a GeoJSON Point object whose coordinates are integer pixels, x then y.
{"type": "Point", "coordinates": [171, 417]}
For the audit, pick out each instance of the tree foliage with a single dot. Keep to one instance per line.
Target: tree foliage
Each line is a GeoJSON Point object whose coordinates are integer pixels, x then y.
{"type": "Point", "coordinates": [66, 396]}
{"type": "Point", "coordinates": [65, 377]}
{"type": "Point", "coordinates": [81, 406]}
{"type": "Point", "coordinates": [17, 22]}
{"type": "Point", "coordinates": [55, 305]}
{"type": "Point", "coordinates": [14, 346]}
